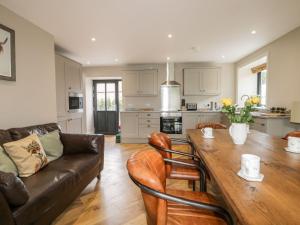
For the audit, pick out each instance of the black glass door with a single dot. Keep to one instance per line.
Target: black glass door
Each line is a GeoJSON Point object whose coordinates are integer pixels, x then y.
{"type": "Point", "coordinates": [106, 106]}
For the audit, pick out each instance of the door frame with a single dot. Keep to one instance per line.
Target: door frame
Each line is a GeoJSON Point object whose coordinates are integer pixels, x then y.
{"type": "Point", "coordinates": [95, 82]}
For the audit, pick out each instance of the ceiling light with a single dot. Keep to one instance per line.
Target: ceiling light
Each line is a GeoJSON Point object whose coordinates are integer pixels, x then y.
{"type": "Point", "coordinates": [168, 58]}
{"type": "Point", "coordinates": [253, 32]}
{"type": "Point", "coordinates": [116, 60]}
{"type": "Point", "coordinates": [170, 35]}
{"type": "Point", "coordinates": [223, 56]}
{"type": "Point", "coordinates": [93, 39]}
{"type": "Point", "coordinates": [88, 62]}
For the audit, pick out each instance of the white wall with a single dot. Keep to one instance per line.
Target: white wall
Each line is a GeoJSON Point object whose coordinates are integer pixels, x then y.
{"type": "Point", "coordinates": [283, 78]}
{"type": "Point", "coordinates": [31, 99]}
{"type": "Point", "coordinates": [90, 73]}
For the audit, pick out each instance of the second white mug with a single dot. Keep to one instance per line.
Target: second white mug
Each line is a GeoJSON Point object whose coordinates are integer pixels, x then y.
{"type": "Point", "coordinates": [294, 143]}
{"type": "Point", "coordinates": [250, 165]}
{"type": "Point", "coordinates": [207, 132]}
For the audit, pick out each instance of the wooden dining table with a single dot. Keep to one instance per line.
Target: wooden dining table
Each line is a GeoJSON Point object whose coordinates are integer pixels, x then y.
{"type": "Point", "coordinates": [275, 200]}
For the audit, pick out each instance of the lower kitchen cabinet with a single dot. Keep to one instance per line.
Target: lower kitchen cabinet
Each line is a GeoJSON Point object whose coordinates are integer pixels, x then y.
{"type": "Point", "coordinates": [71, 125]}
{"type": "Point", "coordinates": [278, 127]}
{"type": "Point", "coordinates": [191, 119]}
{"type": "Point", "coordinates": [136, 127]}
{"type": "Point", "coordinates": [129, 125]}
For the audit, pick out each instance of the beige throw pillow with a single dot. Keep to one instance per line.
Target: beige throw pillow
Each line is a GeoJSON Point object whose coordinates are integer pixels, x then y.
{"type": "Point", "coordinates": [28, 155]}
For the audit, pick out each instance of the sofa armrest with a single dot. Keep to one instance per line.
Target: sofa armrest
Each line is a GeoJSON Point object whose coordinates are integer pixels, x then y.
{"type": "Point", "coordinates": [82, 143]}
{"type": "Point", "coordinates": [5, 212]}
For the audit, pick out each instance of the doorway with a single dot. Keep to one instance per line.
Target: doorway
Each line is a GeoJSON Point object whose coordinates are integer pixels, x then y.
{"type": "Point", "coordinates": [107, 96]}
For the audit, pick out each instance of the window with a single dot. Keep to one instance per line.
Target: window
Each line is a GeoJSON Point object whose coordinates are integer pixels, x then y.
{"type": "Point", "coordinates": [262, 86]}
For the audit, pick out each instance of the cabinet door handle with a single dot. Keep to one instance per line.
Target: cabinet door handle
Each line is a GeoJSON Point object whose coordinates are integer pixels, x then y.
{"type": "Point", "coordinates": [69, 88]}
{"type": "Point", "coordinates": [148, 121]}
{"type": "Point", "coordinates": [148, 114]}
{"type": "Point", "coordinates": [148, 126]}
{"type": "Point", "coordinates": [262, 124]}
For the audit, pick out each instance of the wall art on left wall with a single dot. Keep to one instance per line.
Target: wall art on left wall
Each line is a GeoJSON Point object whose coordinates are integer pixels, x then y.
{"type": "Point", "coordinates": [7, 54]}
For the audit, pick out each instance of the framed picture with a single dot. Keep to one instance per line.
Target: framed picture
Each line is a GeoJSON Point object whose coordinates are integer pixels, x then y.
{"type": "Point", "coordinates": [7, 54]}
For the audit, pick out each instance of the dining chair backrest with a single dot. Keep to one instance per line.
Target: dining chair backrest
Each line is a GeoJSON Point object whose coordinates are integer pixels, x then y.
{"type": "Point", "coordinates": [147, 167]}
{"type": "Point", "coordinates": [159, 142]}
{"type": "Point", "coordinates": [295, 133]}
{"type": "Point", "coordinates": [212, 125]}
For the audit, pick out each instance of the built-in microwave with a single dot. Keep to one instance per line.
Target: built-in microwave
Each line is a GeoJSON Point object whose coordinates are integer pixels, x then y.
{"type": "Point", "coordinates": [75, 102]}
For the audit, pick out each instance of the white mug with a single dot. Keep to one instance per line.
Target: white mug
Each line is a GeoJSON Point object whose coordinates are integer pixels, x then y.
{"type": "Point", "coordinates": [250, 165]}
{"type": "Point", "coordinates": [294, 143]}
{"type": "Point", "coordinates": [207, 131]}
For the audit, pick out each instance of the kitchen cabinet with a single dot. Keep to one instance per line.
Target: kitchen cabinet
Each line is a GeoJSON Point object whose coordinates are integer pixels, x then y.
{"type": "Point", "coordinates": [201, 81]}
{"type": "Point", "coordinates": [61, 95]}
{"type": "Point", "coordinates": [74, 125]}
{"type": "Point", "coordinates": [278, 127]}
{"type": "Point", "coordinates": [63, 125]}
{"type": "Point", "coordinates": [73, 76]}
{"type": "Point", "coordinates": [129, 125]}
{"type": "Point", "coordinates": [71, 125]}
{"type": "Point", "coordinates": [140, 83]}
{"type": "Point", "coordinates": [68, 79]}
{"type": "Point", "coordinates": [136, 126]}
{"type": "Point", "coordinates": [148, 123]}
{"type": "Point", "coordinates": [191, 119]}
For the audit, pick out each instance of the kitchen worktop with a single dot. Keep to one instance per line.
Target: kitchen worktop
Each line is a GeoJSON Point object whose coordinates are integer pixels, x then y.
{"type": "Point", "coordinates": [159, 111]}
{"type": "Point", "coordinates": [269, 115]}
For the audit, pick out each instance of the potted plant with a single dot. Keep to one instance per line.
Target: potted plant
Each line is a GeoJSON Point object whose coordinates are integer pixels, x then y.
{"type": "Point", "coordinates": [239, 118]}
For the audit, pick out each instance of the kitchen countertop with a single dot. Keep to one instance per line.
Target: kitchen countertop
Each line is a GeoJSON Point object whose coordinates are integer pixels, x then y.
{"type": "Point", "coordinates": [159, 111]}
{"type": "Point", "coordinates": [269, 116]}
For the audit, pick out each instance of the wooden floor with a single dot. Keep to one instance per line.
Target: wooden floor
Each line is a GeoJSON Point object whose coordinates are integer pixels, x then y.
{"type": "Point", "coordinates": [114, 200]}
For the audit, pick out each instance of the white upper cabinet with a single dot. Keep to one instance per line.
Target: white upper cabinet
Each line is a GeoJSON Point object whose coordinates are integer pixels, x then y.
{"type": "Point", "coordinates": [191, 80]}
{"type": "Point", "coordinates": [202, 81]}
{"type": "Point", "coordinates": [148, 82]}
{"type": "Point", "coordinates": [131, 83]}
{"type": "Point", "coordinates": [73, 76]}
{"type": "Point", "coordinates": [140, 83]}
{"type": "Point", "coordinates": [61, 96]}
{"type": "Point", "coordinates": [211, 81]}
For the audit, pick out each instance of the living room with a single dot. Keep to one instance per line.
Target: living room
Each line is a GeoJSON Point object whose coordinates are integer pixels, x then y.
{"type": "Point", "coordinates": [93, 92]}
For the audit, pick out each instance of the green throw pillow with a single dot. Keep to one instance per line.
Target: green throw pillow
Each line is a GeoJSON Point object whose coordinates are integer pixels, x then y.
{"type": "Point", "coordinates": [52, 145]}
{"type": "Point", "coordinates": [6, 164]}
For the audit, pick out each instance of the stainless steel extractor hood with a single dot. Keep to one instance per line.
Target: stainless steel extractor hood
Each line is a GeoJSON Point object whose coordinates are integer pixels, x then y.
{"type": "Point", "coordinates": [170, 91]}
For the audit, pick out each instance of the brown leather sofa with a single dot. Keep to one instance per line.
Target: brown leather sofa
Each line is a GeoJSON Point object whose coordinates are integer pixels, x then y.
{"type": "Point", "coordinates": [54, 187]}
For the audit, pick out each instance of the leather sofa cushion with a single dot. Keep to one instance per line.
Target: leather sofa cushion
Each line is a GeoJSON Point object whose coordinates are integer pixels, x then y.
{"type": "Point", "coordinates": [13, 189]}
{"type": "Point", "coordinates": [4, 137]}
{"type": "Point", "coordinates": [81, 143]}
{"type": "Point", "coordinates": [50, 186]}
{"type": "Point", "coordinates": [19, 133]}
{"type": "Point", "coordinates": [78, 164]}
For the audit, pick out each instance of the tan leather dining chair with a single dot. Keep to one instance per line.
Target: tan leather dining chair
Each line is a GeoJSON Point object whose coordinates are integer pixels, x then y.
{"type": "Point", "coordinates": [190, 168]}
{"type": "Point", "coordinates": [295, 133]}
{"type": "Point", "coordinates": [212, 125]}
{"type": "Point", "coordinates": [171, 207]}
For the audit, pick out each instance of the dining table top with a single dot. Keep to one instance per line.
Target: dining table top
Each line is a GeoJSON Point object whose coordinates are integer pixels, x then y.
{"type": "Point", "coordinates": [275, 200]}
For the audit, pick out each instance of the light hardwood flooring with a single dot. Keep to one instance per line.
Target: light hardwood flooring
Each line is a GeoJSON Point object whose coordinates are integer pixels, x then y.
{"type": "Point", "coordinates": [114, 200]}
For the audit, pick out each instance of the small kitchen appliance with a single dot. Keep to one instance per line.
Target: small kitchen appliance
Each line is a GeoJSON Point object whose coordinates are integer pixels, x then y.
{"type": "Point", "coordinates": [75, 102]}
{"type": "Point", "coordinates": [191, 106]}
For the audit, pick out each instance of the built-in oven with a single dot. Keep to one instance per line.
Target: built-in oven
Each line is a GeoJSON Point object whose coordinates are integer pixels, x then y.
{"type": "Point", "coordinates": [171, 122]}
{"type": "Point", "coordinates": [75, 102]}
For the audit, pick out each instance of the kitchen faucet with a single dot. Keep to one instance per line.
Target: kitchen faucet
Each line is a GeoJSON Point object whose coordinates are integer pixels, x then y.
{"type": "Point", "coordinates": [247, 96]}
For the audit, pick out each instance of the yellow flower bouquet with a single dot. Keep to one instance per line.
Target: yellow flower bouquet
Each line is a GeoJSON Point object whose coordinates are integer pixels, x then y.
{"type": "Point", "coordinates": [241, 115]}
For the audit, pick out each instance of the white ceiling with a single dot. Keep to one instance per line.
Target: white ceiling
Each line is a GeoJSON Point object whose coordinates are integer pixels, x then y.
{"type": "Point", "coordinates": [135, 31]}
